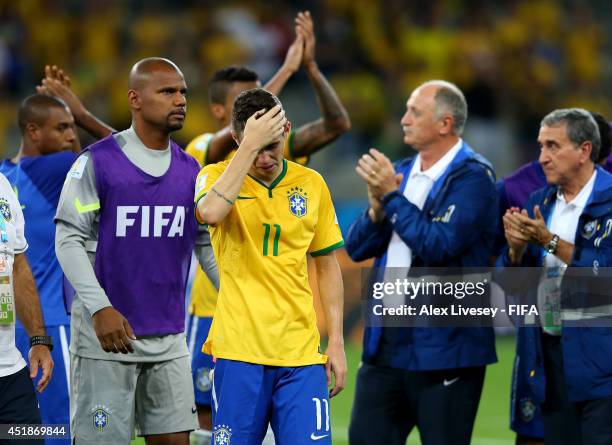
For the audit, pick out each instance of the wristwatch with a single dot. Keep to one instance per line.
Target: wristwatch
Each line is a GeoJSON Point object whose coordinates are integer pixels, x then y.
{"type": "Point", "coordinates": [551, 246]}
{"type": "Point", "coordinates": [42, 340]}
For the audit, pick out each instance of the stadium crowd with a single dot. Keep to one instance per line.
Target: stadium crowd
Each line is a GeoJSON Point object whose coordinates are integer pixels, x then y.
{"type": "Point", "coordinates": [374, 53]}
{"type": "Point", "coordinates": [114, 218]}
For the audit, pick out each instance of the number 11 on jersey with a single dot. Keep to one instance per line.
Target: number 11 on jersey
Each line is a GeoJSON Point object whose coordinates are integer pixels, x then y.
{"type": "Point", "coordinates": [266, 239]}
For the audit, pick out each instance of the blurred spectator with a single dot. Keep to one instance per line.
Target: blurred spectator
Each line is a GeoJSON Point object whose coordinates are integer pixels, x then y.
{"type": "Point", "coordinates": [514, 59]}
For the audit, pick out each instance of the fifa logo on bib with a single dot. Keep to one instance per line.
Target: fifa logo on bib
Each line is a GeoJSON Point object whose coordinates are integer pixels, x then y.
{"type": "Point", "coordinates": [168, 221]}
{"type": "Point", "coordinates": [100, 417]}
{"type": "Point", "coordinates": [222, 435]}
{"type": "Point", "coordinates": [298, 201]}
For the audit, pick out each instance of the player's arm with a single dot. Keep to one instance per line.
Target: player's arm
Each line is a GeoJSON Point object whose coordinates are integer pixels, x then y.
{"type": "Point", "coordinates": [331, 290]}
{"type": "Point", "coordinates": [57, 83]}
{"type": "Point", "coordinates": [26, 297]}
{"type": "Point", "coordinates": [27, 303]}
{"type": "Point", "coordinates": [220, 145]}
{"type": "Point", "coordinates": [76, 213]}
{"type": "Point", "coordinates": [335, 121]}
{"type": "Point", "coordinates": [222, 142]}
{"type": "Point", "coordinates": [29, 312]}
{"type": "Point", "coordinates": [292, 62]}
{"type": "Point", "coordinates": [262, 129]}
{"type": "Point", "coordinates": [206, 257]}
{"type": "Point", "coordinates": [327, 238]}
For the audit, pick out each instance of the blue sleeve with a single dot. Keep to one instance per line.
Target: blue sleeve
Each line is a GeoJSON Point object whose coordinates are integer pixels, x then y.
{"type": "Point", "coordinates": [366, 239]}
{"type": "Point", "coordinates": [467, 212]}
{"type": "Point", "coordinates": [593, 256]}
{"type": "Point", "coordinates": [597, 255]}
{"type": "Point", "coordinates": [502, 196]}
{"type": "Point", "coordinates": [49, 172]}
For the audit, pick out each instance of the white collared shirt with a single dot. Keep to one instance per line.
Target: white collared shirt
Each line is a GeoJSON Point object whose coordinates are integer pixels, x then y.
{"type": "Point", "coordinates": [564, 218]}
{"type": "Point", "coordinates": [563, 222]}
{"type": "Point", "coordinates": [416, 190]}
{"type": "Point", "coordinates": [15, 243]}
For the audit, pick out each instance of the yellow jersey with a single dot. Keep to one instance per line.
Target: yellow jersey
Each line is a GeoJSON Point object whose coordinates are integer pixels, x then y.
{"type": "Point", "coordinates": [203, 293]}
{"type": "Point", "coordinates": [265, 312]}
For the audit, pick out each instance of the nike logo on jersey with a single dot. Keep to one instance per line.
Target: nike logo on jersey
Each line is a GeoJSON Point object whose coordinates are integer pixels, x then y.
{"type": "Point", "coordinates": [450, 382]}
{"type": "Point", "coordinates": [313, 436]}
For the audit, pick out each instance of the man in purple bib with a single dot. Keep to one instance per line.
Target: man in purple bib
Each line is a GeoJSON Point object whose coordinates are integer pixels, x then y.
{"type": "Point", "coordinates": [124, 237]}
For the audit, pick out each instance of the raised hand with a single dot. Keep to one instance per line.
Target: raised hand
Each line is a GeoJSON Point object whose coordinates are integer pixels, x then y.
{"type": "Point", "coordinates": [305, 27]}
{"type": "Point", "coordinates": [378, 173]}
{"type": "Point", "coordinates": [264, 128]}
{"type": "Point", "coordinates": [532, 230]}
{"type": "Point", "coordinates": [57, 83]}
{"type": "Point", "coordinates": [293, 59]}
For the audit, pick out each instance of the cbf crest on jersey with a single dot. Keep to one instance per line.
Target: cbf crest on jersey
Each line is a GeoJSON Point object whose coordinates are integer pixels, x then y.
{"type": "Point", "coordinates": [528, 410]}
{"type": "Point", "coordinates": [5, 209]}
{"type": "Point", "coordinates": [298, 201]}
{"type": "Point", "coordinates": [101, 417]}
{"type": "Point", "coordinates": [590, 228]}
{"type": "Point", "coordinates": [222, 435]}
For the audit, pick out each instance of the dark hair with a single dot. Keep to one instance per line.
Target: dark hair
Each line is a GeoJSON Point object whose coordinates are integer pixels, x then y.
{"type": "Point", "coordinates": [223, 79]}
{"type": "Point", "coordinates": [604, 136]}
{"type": "Point", "coordinates": [35, 109]}
{"type": "Point", "coordinates": [581, 127]}
{"type": "Point", "coordinates": [247, 103]}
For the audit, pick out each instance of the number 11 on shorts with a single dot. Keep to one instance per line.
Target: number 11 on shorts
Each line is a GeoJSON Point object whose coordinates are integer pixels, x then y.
{"type": "Point", "coordinates": [319, 413]}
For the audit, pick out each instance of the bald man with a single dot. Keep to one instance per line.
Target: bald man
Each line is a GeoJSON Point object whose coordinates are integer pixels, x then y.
{"type": "Point", "coordinates": [124, 236]}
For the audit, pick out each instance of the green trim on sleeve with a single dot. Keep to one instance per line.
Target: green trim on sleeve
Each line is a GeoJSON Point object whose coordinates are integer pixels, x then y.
{"type": "Point", "coordinates": [20, 251]}
{"type": "Point", "coordinates": [199, 198]}
{"type": "Point", "coordinates": [197, 216]}
{"type": "Point", "coordinates": [302, 160]}
{"type": "Point", "coordinates": [85, 208]}
{"type": "Point", "coordinates": [208, 138]}
{"type": "Point", "coordinates": [290, 145]}
{"type": "Point", "coordinates": [328, 249]}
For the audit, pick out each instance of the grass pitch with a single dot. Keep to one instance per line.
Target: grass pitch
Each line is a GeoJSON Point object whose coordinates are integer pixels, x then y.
{"type": "Point", "coordinates": [493, 413]}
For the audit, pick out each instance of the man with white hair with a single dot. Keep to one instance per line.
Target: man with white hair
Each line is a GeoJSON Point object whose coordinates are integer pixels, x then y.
{"type": "Point", "coordinates": [434, 210]}
{"type": "Point", "coordinates": [567, 360]}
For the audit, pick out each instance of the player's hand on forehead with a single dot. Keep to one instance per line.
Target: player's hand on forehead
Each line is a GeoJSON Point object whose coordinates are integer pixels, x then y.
{"type": "Point", "coordinates": [272, 113]}
{"type": "Point", "coordinates": [265, 127]}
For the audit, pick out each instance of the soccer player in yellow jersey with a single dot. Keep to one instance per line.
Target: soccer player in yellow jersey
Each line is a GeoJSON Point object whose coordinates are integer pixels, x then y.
{"type": "Point", "coordinates": [209, 148]}
{"type": "Point", "coordinates": [266, 214]}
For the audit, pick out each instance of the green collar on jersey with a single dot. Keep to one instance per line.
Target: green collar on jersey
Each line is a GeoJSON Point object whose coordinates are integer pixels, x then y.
{"type": "Point", "coordinates": [274, 183]}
